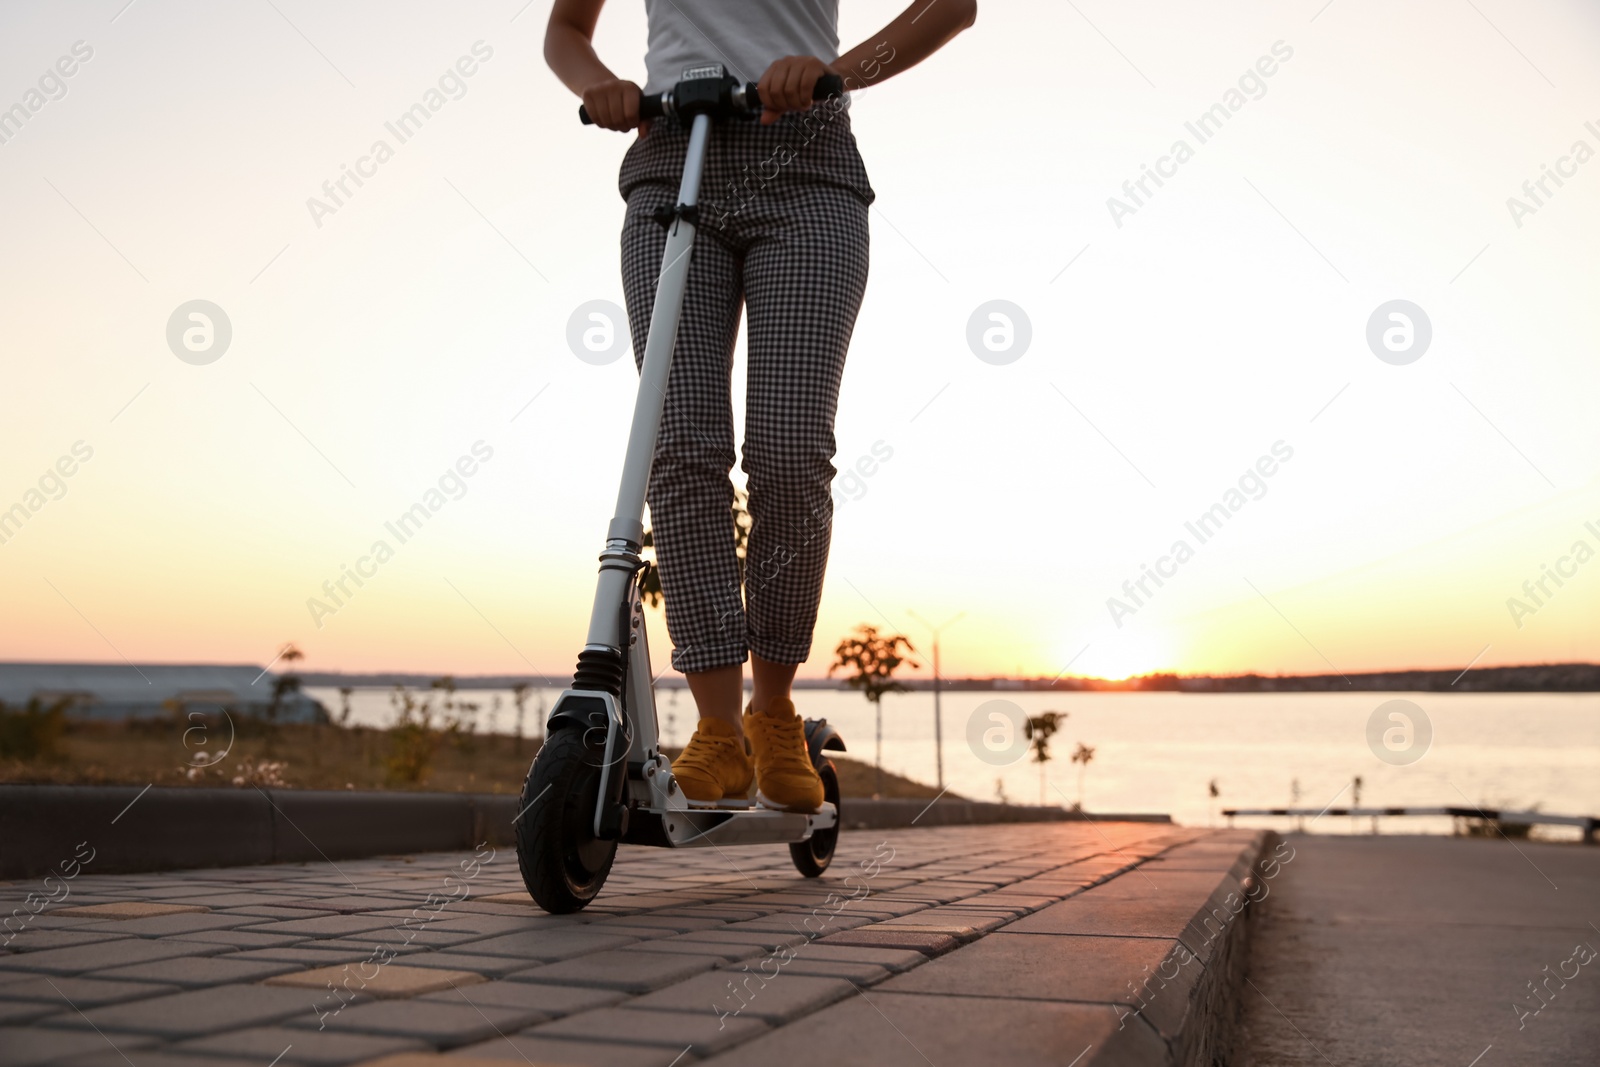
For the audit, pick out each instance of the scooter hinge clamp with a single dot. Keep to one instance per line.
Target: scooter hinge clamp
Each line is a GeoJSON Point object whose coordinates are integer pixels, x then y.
{"type": "Point", "coordinates": [669, 214]}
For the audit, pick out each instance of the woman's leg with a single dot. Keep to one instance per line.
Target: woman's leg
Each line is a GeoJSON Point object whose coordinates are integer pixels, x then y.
{"type": "Point", "coordinates": [769, 681]}
{"type": "Point", "coordinates": [719, 693]}
{"type": "Point", "coordinates": [691, 498]}
{"type": "Point", "coordinates": [804, 276]}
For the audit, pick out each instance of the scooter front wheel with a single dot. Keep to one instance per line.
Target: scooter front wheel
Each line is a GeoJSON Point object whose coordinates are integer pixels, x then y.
{"type": "Point", "coordinates": [563, 864]}
{"type": "Point", "coordinates": [812, 856]}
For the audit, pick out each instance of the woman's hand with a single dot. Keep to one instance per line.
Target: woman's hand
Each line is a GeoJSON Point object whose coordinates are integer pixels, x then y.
{"type": "Point", "coordinates": [613, 104]}
{"type": "Point", "coordinates": [788, 84]}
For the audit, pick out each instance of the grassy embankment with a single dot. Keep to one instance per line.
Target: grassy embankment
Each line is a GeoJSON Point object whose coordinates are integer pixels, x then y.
{"type": "Point", "coordinates": [303, 756]}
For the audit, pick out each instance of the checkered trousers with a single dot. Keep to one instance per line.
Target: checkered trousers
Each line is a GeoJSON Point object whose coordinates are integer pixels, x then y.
{"type": "Point", "coordinates": [783, 233]}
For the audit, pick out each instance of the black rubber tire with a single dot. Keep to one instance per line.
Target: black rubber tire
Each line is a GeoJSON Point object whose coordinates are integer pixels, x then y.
{"type": "Point", "coordinates": [563, 864]}
{"type": "Point", "coordinates": [811, 857]}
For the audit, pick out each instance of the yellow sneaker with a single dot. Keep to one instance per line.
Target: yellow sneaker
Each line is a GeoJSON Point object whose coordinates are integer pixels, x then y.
{"type": "Point", "coordinates": [713, 765]}
{"type": "Point", "coordinates": [785, 778]}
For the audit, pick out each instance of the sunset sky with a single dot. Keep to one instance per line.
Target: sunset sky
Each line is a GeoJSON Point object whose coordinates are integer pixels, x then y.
{"type": "Point", "coordinates": [1173, 345]}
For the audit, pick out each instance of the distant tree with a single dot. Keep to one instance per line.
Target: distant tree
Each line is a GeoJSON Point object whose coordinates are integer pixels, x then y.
{"type": "Point", "coordinates": [1159, 681]}
{"type": "Point", "coordinates": [34, 732]}
{"type": "Point", "coordinates": [741, 528]}
{"type": "Point", "coordinates": [650, 587]}
{"type": "Point", "coordinates": [344, 706]}
{"type": "Point", "coordinates": [872, 659]}
{"type": "Point", "coordinates": [413, 739]}
{"type": "Point", "coordinates": [284, 686]}
{"type": "Point", "coordinates": [519, 694]}
{"type": "Point", "coordinates": [459, 717]}
{"type": "Point", "coordinates": [670, 737]}
{"type": "Point", "coordinates": [1081, 756]}
{"type": "Point", "coordinates": [1039, 729]}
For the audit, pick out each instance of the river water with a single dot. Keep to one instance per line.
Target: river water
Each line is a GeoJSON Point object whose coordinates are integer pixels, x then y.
{"type": "Point", "coordinates": [1159, 752]}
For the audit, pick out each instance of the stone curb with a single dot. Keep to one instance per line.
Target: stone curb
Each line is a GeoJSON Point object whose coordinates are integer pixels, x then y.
{"type": "Point", "coordinates": [1218, 937]}
{"type": "Point", "coordinates": [165, 828]}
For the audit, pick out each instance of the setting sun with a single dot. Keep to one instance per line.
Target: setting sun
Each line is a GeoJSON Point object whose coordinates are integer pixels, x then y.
{"type": "Point", "coordinates": [1116, 656]}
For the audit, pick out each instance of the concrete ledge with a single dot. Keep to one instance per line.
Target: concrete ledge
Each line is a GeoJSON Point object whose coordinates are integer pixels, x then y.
{"type": "Point", "coordinates": [42, 825]}
{"type": "Point", "coordinates": [161, 828]}
{"type": "Point", "coordinates": [172, 828]}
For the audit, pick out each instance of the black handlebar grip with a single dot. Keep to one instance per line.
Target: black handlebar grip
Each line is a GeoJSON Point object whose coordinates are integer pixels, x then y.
{"type": "Point", "coordinates": [650, 107]}
{"type": "Point", "coordinates": [828, 85]}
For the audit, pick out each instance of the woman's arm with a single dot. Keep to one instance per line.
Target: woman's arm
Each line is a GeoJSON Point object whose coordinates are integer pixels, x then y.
{"type": "Point", "coordinates": [613, 103]}
{"type": "Point", "coordinates": [917, 33]}
{"type": "Point", "coordinates": [568, 47]}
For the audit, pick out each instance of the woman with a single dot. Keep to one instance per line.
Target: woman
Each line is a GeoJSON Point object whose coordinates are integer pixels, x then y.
{"type": "Point", "coordinates": [783, 231]}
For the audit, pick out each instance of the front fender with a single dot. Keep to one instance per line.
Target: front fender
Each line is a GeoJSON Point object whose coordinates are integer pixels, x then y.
{"type": "Point", "coordinates": [819, 736]}
{"type": "Point", "coordinates": [580, 710]}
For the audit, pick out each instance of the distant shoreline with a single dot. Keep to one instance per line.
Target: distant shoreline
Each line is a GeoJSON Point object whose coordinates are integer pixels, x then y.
{"type": "Point", "coordinates": [1538, 678]}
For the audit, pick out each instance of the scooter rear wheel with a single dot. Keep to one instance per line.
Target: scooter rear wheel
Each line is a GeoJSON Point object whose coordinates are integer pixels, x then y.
{"type": "Point", "coordinates": [563, 864]}
{"type": "Point", "coordinates": [812, 856]}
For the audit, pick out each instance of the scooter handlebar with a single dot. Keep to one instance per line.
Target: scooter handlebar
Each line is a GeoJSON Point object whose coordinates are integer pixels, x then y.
{"type": "Point", "coordinates": [829, 85]}
{"type": "Point", "coordinates": [747, 100]}
{"type": "Point", "coordinates": [651, 106]}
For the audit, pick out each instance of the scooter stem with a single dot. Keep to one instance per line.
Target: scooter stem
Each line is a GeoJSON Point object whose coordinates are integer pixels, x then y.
{"type": "Point", "coordinates": [626, 531]}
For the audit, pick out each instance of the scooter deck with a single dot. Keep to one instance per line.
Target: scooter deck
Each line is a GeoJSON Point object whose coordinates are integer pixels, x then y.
{"type": "Point", "coordinates": [705, 827]}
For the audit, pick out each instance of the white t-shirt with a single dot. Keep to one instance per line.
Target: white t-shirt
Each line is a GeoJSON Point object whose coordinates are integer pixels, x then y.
{"type": "Point", "coordinates": [745, 36]}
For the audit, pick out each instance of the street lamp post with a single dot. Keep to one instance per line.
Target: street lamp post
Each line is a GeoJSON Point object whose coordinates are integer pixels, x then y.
{"type": "Point", "coordinates": [938, 719]}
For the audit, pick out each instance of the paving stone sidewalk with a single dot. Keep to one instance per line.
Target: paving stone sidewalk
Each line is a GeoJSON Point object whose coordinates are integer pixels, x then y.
{"type": "Point", "coordinates": [991, 944]}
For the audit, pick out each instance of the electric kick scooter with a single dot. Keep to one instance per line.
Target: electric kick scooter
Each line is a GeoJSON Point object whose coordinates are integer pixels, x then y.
{"type": "Point", "coordinates": [600, 779]}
